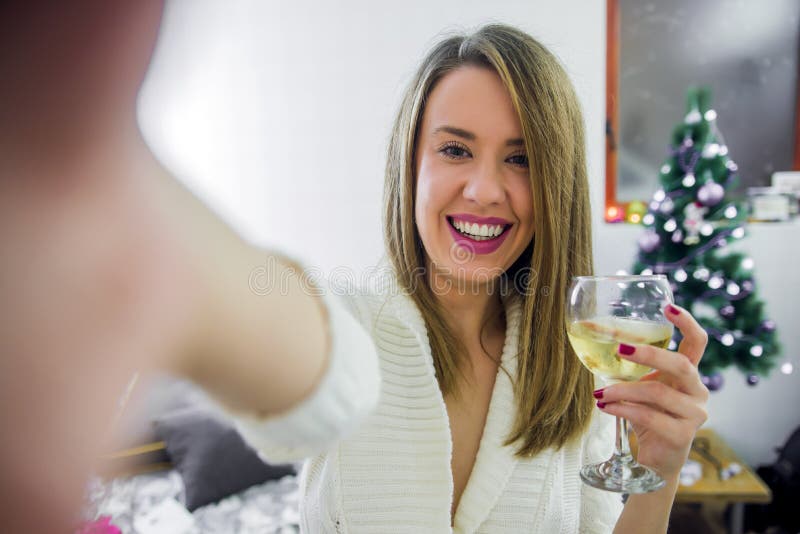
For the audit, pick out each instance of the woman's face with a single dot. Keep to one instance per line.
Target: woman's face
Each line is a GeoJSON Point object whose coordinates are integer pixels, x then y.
{"type": "Point", "coordinates": [472, 177]}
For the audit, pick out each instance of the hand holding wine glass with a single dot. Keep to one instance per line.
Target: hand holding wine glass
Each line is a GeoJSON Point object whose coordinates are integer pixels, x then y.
{"type": "Point", "coordinates": [619, 328]}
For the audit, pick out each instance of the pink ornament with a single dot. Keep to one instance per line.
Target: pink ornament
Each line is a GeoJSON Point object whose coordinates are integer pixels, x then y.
{"type": "Point", "coordinates": [710, 194]}
{"type": "Point", "coordinates": [648, 242]}
{"type": "Point", "coordinates": [101, 525]}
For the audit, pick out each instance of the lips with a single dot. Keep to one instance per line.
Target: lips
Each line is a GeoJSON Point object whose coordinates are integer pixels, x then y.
{"type": "Point", "coordinates": [481, 245]}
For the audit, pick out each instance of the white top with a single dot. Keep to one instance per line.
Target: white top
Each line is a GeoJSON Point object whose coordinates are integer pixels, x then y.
{"type": "Point", "coordinates": [392, 474]}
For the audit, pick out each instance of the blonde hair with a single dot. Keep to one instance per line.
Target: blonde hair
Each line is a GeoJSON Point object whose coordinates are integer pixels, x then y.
{"type": "Point", "coordinates": [552, 389]}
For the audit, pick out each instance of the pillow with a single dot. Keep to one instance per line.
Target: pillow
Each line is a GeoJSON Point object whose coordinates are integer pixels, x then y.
{"type": "Point", "coordinates": [211, 456]}
{"type": "Point", "coordinates": [152, 397]}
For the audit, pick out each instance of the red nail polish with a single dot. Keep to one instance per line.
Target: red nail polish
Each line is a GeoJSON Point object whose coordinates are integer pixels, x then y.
{"type": "Point", "coordinates": [601, 405]}
{"type": "Point", "coordinates": [626, 349]}
{"type": "Point", "coordinates": [672, 309]}
{"type": "Point", "coordinates": [598, 393]}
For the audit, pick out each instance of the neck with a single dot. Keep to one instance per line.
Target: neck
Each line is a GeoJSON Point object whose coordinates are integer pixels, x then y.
{"type": "Point", "coordinates": [471, 309]}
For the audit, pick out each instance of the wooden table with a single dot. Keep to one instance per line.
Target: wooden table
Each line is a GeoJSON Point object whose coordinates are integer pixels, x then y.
{"type": "Point", "coordinates": [746, 487]}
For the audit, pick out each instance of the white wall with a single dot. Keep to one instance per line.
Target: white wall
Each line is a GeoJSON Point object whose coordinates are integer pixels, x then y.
{"type": "Point", "coordinates": [277, 114]}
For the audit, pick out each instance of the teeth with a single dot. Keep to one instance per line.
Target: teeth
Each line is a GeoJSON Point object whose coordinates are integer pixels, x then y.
{"type": "Point", "coordinates": [475, 230]}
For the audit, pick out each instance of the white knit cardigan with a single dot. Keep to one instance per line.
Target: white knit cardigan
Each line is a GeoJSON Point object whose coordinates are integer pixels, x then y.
{"type": "Point", "coordinates": [386, 468]}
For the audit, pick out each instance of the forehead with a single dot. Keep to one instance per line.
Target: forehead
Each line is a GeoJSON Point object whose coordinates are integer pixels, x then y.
{"type": "Point", "coordinates": [475, 99]}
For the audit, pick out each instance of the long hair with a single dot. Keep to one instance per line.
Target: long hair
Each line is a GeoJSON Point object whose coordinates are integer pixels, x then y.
{"type": "Point", "coordinates": [552, 389]}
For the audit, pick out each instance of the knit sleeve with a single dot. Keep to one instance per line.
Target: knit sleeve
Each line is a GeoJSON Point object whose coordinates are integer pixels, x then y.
{"type": "Point", "coordinates": [344, 397]}
{"type": "Point", "coordinates": [600, 509]}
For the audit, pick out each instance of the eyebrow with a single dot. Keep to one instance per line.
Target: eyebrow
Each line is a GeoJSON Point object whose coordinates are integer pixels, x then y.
{"type": "Point", "coordinates": [469, 136]}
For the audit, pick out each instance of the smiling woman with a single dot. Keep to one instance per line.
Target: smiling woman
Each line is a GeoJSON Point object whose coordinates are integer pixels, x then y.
{"type": "Point", "coordinates": [486, 414]}
{"type": "Point", "coordinates": [420, 406]}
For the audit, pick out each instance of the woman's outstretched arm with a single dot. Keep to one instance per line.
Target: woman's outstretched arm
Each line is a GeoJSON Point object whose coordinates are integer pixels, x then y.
{"type": "Point", "coordinates": [109, 266]}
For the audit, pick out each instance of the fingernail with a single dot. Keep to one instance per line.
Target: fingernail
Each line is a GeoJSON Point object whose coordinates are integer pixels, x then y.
{"type": "Point", "coordinates": [626, 349]}
{"type": "Point", "coordinates": [601, 405]}
{"type": "Point", "coordinates": [672, 309]}
{"type": "Point", "coordinates": [598, 393]}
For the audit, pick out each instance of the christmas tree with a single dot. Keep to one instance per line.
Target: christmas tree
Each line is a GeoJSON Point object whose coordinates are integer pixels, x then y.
{"type": "Point", "coordinates": [690, 221]}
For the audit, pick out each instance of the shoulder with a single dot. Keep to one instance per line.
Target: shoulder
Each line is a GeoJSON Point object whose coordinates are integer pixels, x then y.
{"type": "Point", "coordinates": [373, 296]}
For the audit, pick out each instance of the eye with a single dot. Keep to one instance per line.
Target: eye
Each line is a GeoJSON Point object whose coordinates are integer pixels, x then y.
{"type": "Point", "coordinates": [454, 150]}
{"type": "Point", "coordinates": [520, 160]}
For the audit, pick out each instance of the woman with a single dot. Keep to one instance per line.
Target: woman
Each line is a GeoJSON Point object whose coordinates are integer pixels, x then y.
{"type": "Point", "coordinates": [485, 414]}
{"type": "Point", "coordinates": [116, 268]}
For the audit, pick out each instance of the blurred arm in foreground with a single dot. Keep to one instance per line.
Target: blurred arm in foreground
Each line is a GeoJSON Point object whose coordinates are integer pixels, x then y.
{"type": "Point", "coordinates": [110, 266]}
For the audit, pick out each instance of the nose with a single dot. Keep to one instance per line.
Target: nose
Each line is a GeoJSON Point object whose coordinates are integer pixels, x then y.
{"type": "Point", "coordinates": [486, 185]}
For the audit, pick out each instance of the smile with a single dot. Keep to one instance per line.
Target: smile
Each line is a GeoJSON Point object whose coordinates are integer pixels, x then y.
{"type": "Point", "coordinates": [469, 236]}
{"type": "Point", "coordinates": [478, 232]}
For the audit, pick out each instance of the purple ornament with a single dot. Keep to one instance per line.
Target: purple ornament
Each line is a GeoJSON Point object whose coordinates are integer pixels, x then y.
{"type": "Point", "coordinates": [747, 285]}
{"type": "Point", "coordinates": [727, 311]}
{"type": "Point", "coordinates": [768, 325]}
{"type": "Point", "coordinates": [710, 194]}
{"type": "Point", "coordinates": [752, 380]}
{"type": "Point", "coordinates": [649, 241]}
{"type": "Point", "coordinates": [713, 381]}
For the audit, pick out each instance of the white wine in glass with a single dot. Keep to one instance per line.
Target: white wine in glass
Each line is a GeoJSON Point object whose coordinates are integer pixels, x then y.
{"type": "Point", "coordinates": [602, 313]}
{"type": "Point", "coordinates": [596, 341]}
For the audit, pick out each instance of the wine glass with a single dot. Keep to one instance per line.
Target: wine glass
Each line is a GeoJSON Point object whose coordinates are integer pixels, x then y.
{"type": "Point", "coordinates": [602, 312]}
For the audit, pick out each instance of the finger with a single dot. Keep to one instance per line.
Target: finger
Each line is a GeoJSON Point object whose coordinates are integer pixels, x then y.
{"type": "Point", "coordinates": [695, 337]}
{"type": "Point", "coordinates": [676, 365]}
{"type": "Point", "coordinates": [657, 395]}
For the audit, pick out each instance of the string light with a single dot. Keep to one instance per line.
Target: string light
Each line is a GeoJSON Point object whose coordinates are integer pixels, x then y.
{"type": "Point", "coordinates": [757, 350]}
{"type": "Point", "coordinates": [706, 229]}
{"type": "Point", "coordinates": [727, 339]}
{"type": "Point", "coordinates": [613, 214]}
{"type": "Point", "coordinates": [659, 195]}
{"type": "Point", "coordinates": [738, 233]}
{"type": "Point", "coordinates": [688, 180]}
{"type": "Point", "coordinates": [665, 169]}
{"type": "Point", "coordinates": [701, 274]}
{"type": "Point", "coordinates": [748, 263]}
{"type": "Point", "coordinates": [648, 219]}
{"type": "Point", "coordinates": [715, 282]}
{"type": "Point", "coordinates": [710, 115]}
{"type": "Point", "coordinates": [680, 275]}
{"type": "Point", "coordinates": [733, 289]}
{"type": "Point", "coordinates": [787, 368]}
{"type": "Point", "coordinates": [710, 150]}
{"type": "Point", "coordinates": [731, 212]}
{"type": "Point", "coordinates": [647, 272]}
{"type": "Point", "coordinates": [670, 225]}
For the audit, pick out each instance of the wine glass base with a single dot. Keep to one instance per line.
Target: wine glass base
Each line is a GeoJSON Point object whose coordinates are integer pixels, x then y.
{"type": "Point", "coordinates": [622, 477]}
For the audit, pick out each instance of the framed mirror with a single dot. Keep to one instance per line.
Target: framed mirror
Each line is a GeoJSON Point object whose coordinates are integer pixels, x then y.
{"type": "Point", "coordinates": [745, 52]}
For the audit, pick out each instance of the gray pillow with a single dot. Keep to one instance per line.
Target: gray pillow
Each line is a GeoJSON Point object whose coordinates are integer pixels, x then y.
{"type": "Point", "coordinates": [211, 456]}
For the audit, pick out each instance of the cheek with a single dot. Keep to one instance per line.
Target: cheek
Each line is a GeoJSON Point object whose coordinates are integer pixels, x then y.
{"type": "Point", "coordinates": [430, 195]}
{"type": "Point", "coordinates": [523, 200]}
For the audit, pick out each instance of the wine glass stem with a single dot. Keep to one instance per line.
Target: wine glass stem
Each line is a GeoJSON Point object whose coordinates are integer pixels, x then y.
{"type": "Point", "coordinates": [622, 449]}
